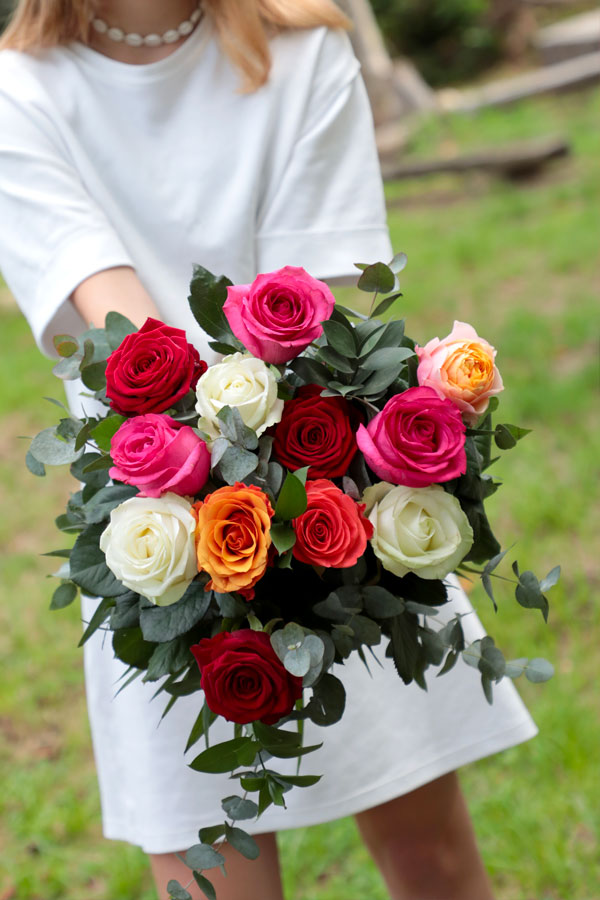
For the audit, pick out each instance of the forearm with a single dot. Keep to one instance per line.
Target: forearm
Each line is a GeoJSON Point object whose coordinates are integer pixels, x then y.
{"type": "Point", "coordinates": [117, 289]}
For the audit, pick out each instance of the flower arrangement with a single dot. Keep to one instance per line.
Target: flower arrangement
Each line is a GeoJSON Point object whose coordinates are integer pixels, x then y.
{"type": "Point", "coordinates": [249, 524]}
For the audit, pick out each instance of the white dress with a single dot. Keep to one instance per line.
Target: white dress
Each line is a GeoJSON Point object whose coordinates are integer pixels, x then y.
{"type": "Point", "coordinates": [159, 166]}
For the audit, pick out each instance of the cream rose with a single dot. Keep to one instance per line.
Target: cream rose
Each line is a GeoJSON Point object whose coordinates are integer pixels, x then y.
{"type": "Point", "coordinates": [149, 546]}
{"type": "Point", "coordinates": [420, 530]}
{"type": "Point", "coordinates": [243, 382]}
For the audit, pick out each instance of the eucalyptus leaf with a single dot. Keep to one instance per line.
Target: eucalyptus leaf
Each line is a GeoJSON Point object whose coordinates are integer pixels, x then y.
{"type": "Point", "coordinates": [88, 566]}
{"type": "Point", "coordinates": [386, 357]}
{"type": "Point", "coordinates": [99, 508]}
{"type": "Point", "coordinates": [221, 757]}
{"type": "Point", "coordinates": [326, 706]}
{"type": "Point", "coordinates": [117, 328]}
{"type": "Point", "coordinates": [398, 263]}
{"type": "Point", "coordinates": [94, 375]}
{"type": "Point", "coordinates": [236, 464]}
{"type": "Point", "coordinates": [34, 465]}
{"type": "Point", "coordinates": [176, 891]}
{"type": "Point", "coordinates": [203, 856]}
{"type": "Point", "coordinates": [380, 603]}
{"type": "Point", "coordinates": [242, 842]}
{"type": "Point", "coordinates": [49, 449]}
{"type": "Point", "coordinates": [238, 808]}
{"type": "Point", "coordinates": [383, 306]}
{"type": "Point", "coordinates": [334, 359]}
{"type": "Point", "coordinates": [205, 886]}
{"type": "Point", "coordinates": [539, 670]}
{"type": "Point", "coordinates": [309, 370]}
{"type": "Point", "coordinates": [377, 278]}
{"type": "Point", "coordinates": [65, 344]}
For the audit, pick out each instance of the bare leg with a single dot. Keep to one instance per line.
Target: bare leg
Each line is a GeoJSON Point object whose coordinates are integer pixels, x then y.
{"type": "Point", "coordinates": [245, 880]}
{"type": "Point", "coordinates": [424, 845]}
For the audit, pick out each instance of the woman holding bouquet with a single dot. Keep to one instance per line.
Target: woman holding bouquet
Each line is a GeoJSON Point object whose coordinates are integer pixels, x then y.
{"type": "Point", "coordinates": [128, 152]}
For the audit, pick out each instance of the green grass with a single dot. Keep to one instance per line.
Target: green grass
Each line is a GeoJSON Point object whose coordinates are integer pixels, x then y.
{"type": "Point", "coordinates": [518, 261]}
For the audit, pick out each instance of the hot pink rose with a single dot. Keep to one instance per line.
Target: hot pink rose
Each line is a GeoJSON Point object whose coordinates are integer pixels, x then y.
{"type": "Point", "coordinates": [461, 367]}
{"type": "Point", "coordinates": [157, 454]}
{"type": "Point", "coordinates": [417, 439]}
{"type": "Point", "coordinates": [279, 314]}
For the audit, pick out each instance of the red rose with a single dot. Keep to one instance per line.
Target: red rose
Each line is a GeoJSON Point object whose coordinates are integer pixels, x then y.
{"type": "Point", "coordinates": [318, 432]}
{"type": "Point", "coordinates": [417, 439]}
{"type": "Point", "coordinates": [152, 369]}
{"type": "Point", "coordinates": [243, 679]}
{"type": "Point", "coordinates": [333, 532]}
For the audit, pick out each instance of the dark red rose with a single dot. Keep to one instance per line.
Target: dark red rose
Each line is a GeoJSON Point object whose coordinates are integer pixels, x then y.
{"type": "Point", "coordinates": [152, 369]}
{"type": "Point", "coordinates": [318, 432]}
{"type": "Point", "coordinates": [333, 532]}
{"type": "Point", "coordinates": [417, 439]}
{"type": "Point", "coordinates": [243, 679]}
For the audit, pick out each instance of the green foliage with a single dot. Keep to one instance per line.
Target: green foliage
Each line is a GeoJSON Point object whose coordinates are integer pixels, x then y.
{"type": "Point", "coordinates": [448, 40]}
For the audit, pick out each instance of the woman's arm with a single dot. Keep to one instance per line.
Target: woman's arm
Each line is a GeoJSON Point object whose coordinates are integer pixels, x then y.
{"type": "Point", "coordinates": [117, 289]}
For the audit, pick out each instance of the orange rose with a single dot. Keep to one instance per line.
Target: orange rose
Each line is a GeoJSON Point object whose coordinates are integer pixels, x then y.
{"type": "Point", "coordinates": [233, 536]}
{"type": "Point", "coordinates": [460, 367]}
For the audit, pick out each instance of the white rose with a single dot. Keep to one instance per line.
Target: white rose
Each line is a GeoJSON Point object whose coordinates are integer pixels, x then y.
{"type": "Point", "coordinates": [420, 530]}
{"type": "Point", "coordinates": [149, 546]}
{"type": "Point", "coordinates": [240, 381]}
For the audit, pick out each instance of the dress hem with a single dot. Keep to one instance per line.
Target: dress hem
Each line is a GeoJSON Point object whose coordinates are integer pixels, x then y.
{"type": "Point", "coordinates": [375, 795]}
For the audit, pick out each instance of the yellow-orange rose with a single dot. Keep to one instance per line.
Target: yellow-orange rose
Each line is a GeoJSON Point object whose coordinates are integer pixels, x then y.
{"type": "Point", "coordinates": [233, 536]}
{"type": "Point", "coordinates": [461, 367]}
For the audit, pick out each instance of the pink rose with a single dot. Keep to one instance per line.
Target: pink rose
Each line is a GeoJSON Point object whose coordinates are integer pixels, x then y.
{"type": "Point", "coordinates": [461, 367]}
{"type": "Point", "coordinates": [157, 454]}
{"type": "Point", "coordinates": [279, 314]}
{"type": "Point", "coordinates": [417, 439]}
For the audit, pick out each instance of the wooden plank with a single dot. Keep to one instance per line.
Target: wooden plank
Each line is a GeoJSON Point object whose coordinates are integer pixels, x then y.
{"type": "Point", "coordinates": [513, 160]}
{"type": "Point", "coordinates": [574, 36]}
{"type": "Point", "coordinates": [573, 73]}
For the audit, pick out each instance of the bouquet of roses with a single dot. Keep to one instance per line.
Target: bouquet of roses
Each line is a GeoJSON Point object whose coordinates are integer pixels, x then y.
{"type": "Point", "coordinates": [248, 524]}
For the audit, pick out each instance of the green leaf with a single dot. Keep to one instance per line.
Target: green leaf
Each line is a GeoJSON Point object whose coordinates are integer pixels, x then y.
{"type": "Point", "coordinates": [49, 449]}
{"type": "Point", "coordinates": [292, 500]}
{"type": "Point", "coordinates": [378, 382]}
{"type": "Point", "coordinates": [211, 834]}
{"type": "Point", "coordinates": [65, 344]}
{"type": "Point", "coordinates": [235, 429]}
{"type": "Point", "coordinates": [421, 608]}
{"type": "Point", "coordinates": [168, 659]}
{"type": "Point", "coordinates": [177, 892]}
{"type": "Point", "coordinates": [100, 615]}
{"type": "Point", "coordinates": [274, 739]}
{"type": "Point", "coordinates": [310, 371]}
{"type": "Point", "coordinates": [398, 263]}
{"type": "Point", "coordinates": [550, 579]}
{"type": "Point", "coordinates": [230, 606]}
{"type": "Point", "coordinates": [63, 596]}
{"type": "Point", "coordinates": [163, 623]}
{"type": "Point", "coordinates": [207, 296]}
{"type": "Point", "coordinates": [381, 604]}
{"type": "Point", "coordinates": [529, 594]}
{"type": "Point", "coordinates": [203, 856]}
{"type": "Point", "coordinates": [106, 430]}
{"type": "Point", "coordinates": [326, 706]}
{"type": "Point", "coordinates": [506, 436]}
{"type": "Point", "coordinates": [404, 646]}
{"type": "Point", "coordinates": [94, 376]}
{"type": "Point", "coordinates": [283, 537]}
{"type": "Point", "coordinates": [130, 647]}
{"type": "Point", "coordinates": [98, 464]}
{"type": "Point", "coordinates": [377, 278]}
{"type": "Point", "coordinates": [387, 357]}
{"type": "Point", "coordinates": [34, 465]}
{"type": "Point", "coordinates": [236, 464]}
{"type": "Point", "coordinates": [334, 359]}
{"type": "Point", "coordinates": [238, 808]}
{"type": "Point", "coordinates": [385, 304]}
{"type": "Point", "coordinates": [299, 780]}
{"type": "Point", "coordinates": [242, 842]}
{"type": "Point", "coordinates": [117, 328]}
{"type": "Point", "coordinates": [88, 566]}
{"type": "Point", "coordinates": [224, 349]}
{"type": "Point", "coordinates": [205, 886]}
{"type": "Point", "coordinates": [99, 508]}
{"type": "Point", "coordinates": [126, 613]}
{"type": "Point", "coordinates": [351, 312]}
{"type": "Point", "coordinates": [68, 368]}
{"type": "Point", "coordinates": [341, 338]}
{"type": "Point", "coordinates": [539, 670]}
{"type": "Point", "coordinates": [196, 733]}
{"type": "Point", "coordinates": [222, 757]}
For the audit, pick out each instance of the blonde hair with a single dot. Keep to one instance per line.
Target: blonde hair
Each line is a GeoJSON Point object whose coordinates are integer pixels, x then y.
{"type": "Point", "coordinates": [243, 26]}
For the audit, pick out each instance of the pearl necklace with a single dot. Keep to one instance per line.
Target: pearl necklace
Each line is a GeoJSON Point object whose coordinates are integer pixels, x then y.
{"type": "Point", "coordinates": [149, 40]}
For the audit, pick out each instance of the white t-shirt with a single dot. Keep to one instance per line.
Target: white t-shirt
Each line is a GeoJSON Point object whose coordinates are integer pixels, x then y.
{"type": "Point", "coordinates": [164, 165]}
{"type": "Point", "coordinates": [160, 166]}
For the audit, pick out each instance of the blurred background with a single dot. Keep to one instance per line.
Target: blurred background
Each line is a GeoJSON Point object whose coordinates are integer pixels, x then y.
{"type": "Point", "coordinates": [487, 120]}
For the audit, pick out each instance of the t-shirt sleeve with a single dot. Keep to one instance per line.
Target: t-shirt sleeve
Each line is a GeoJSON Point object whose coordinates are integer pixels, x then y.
{"type": "Point", "coordinates": [325, 209]}
{"type": "Point", "coordinates": [52, 234]}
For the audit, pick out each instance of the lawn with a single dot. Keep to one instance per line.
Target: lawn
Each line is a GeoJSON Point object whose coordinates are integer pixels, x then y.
{"type": "Point", "coordinates": [518, 261]}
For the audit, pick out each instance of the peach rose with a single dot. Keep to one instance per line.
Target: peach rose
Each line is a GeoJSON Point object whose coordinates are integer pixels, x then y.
{"type": "Point", "coordinates": [461, 368]}
{"type": "Point", "coordinates": [233, 536]}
